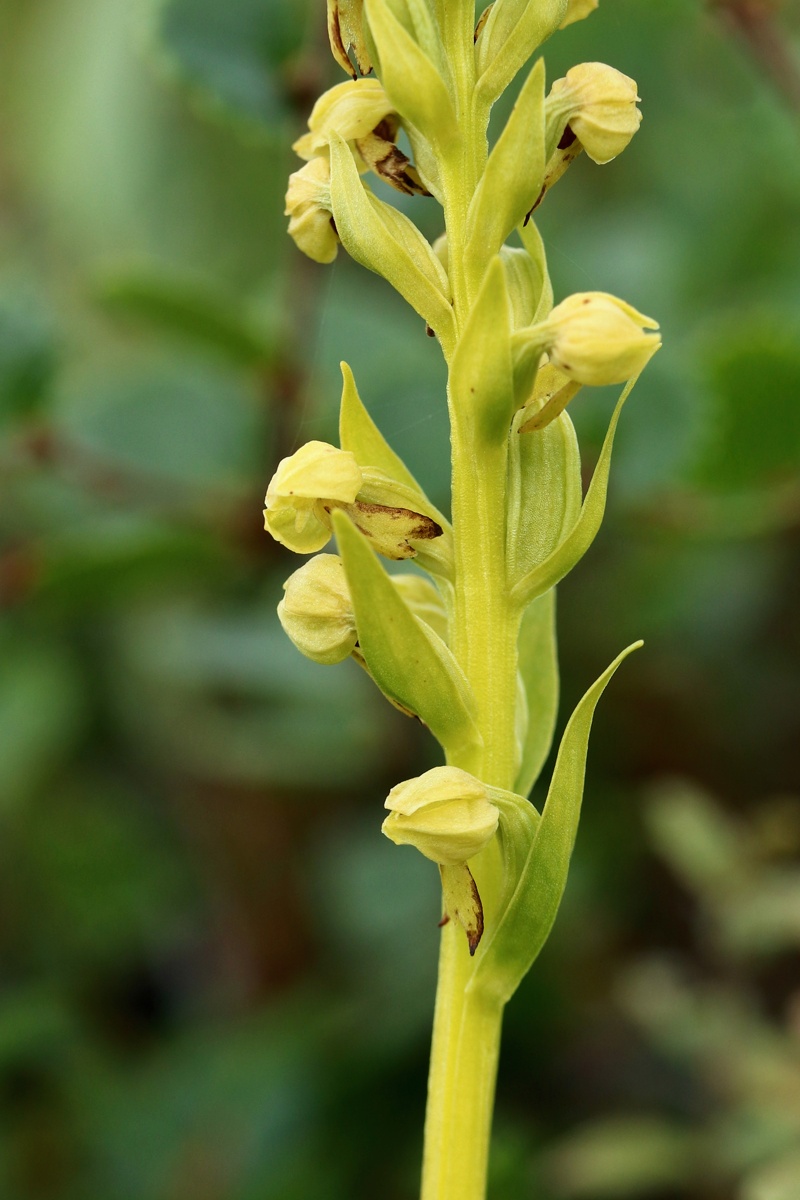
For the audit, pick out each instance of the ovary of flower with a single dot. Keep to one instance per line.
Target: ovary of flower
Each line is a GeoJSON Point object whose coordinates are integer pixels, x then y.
{"type": "Point", "coordinates": [308, 206]}
{"type": "Point", "coordinates": [316, 611]}
{"type": "Point", "coordinates": [445, 813]}
{"type": "Point", "coordinates": [303, 489]}
{"type": "Point", "coordinates": [598, 103]}
{"type": "Point", "coordinates": [596, 339]}
{"type": "Point", "coordinates": [577, 10]}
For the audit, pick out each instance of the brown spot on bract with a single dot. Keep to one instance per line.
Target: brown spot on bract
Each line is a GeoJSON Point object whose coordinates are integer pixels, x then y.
{"type": "Point", "coordinates": [567, 138]}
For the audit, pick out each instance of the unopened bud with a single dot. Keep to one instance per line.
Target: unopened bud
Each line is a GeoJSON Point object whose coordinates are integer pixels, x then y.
{"type": "Point", "coordinates": [596, 339]}
{"type": "Point", "coordinates": [316, 611]}
{"type": "Point", "coordinates": [445, 813]}
{"type": "Point", "coordinates": [303, 489]}
{"type": "Point", "coordinates": [598, 103]}
{"type": "Point", "coordinates": [308, 206]}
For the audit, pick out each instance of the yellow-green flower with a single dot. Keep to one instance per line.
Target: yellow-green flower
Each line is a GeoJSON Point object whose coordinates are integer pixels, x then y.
{"type": "Point", "coordinates": [316, 611]}
{"type": "Point", "coordinates": [598, 103]}
{"type": "Point", "coordinates": [577, 10]}
{"type": "Point", "coordinates": [360, 113]}
{"type": "Point", "coordinates": [308, 206]}
{"type": "Point", "coordinates": [596, 339]}
{"type": "Point", "coordinates": [302, 491]}
{"type": "Point", "coordinates": [445, 813]}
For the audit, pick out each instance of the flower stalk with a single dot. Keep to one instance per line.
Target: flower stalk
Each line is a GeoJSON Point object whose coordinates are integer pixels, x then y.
{"type": "Point", "coordinates": [470, 650]}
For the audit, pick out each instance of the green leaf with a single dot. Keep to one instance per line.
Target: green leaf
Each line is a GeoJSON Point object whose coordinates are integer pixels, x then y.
{"type": "Point", "coordinates": [511, 183]}
{"type": "Point", "coordinates": [753, 438]}
{"type": "Point", "coordinates": [532, 241]}
{"type": "Point", "coordinates": [513, 30]}
{"type": "Point", "coordinates": [410, 79]}
{"type": "Point", "coordinates": [509, 951]}
{"type": "Point", "coordinates": [233, 55]}
{"type": "Point", "coordinates": [544, 493]}
{"type": "Point", "coordinates": [538, 667]}
{"type": "Point", "coordinates": [481, 378]}
{"type": "Point", "coordinates": [577, 542]}
{"type": "Point", "coordinates": [359, 434]}
{"type": "Point", "coordinates": [28, 353]}
{"type": "Point", "coordinates": [187, 308]}
{"type": "Point", "coordinates": [409, 663]}
{"type": "Point", "coordinates": [385, 241]}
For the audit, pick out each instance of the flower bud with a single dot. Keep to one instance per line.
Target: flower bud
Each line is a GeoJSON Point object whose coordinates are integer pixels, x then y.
{"type": "Point", "coordinates": [351, 109]}
{"type": "Point", "coordinates": [303, 489]}
{"type": "Point", "coordinates": [316, 611]}
{"type": "Point", "coordinates": [346, 33]}
{"type": "Point", "coordinates": [445, 813]}
{"type": "Point", "coordinates": [597, 339]}
{"type": "Point", "coordinates": [577, 10]}
{"type": "Point", "coordinates": [308, 205]}
{"type": "Point", "coordinates": [598, 104]}
{"type": "Point", "coordinates": [362, 115]}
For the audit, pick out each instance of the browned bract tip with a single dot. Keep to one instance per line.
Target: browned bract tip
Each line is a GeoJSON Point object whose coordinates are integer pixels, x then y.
{"type": "Point", "coordinates": [483, 19]}
{"type": "Point", "coordinates": [475, 931]}
{"type": "Point", "coordinates": [338, 48]}
{"type": "Point", "coordinates": [567, 138]}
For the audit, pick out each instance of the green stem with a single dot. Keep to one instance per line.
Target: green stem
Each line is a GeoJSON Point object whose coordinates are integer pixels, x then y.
{"type": "Point", "coordinates": [485, 627]}
{"type": "Point", "coordinates": [466, 1046]}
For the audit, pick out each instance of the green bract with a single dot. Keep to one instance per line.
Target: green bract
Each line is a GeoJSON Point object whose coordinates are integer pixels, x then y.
{"type": "Point", "coordinates": [469, 646]}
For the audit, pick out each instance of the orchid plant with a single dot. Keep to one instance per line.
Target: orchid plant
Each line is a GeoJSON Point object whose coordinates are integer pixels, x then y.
{"type": "Point", "coordinates": [466, 644]}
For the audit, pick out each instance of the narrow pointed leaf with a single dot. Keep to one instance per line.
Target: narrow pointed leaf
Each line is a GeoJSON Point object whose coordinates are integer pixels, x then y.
{"type": "Point", "coordinates": [532, 241]}
{"type": "Point", "coordinates": [410, 664]}
{"type": "Point", "coordinates": [481, 378]}
{"type": "Point", "coordinates": [507, 955]}
{"type": "Point", "coordinates": [513, 31]}
{"type": "Point", "coordinates": [572, 549]}
{"type": "Point", "coordinates": [359, 434]}
{"type": "Point", "coordinates": [385, 241]}
{"type": "Point", "coordinates": [513, 177]}
{"type": "Point", "coordinates": [538, 666]}
{"type": "Point", "coordinates": [410, 79]}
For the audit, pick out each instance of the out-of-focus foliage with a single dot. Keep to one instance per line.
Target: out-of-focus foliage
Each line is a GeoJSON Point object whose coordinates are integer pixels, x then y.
{"type": "Point", "coordinates": [215, 975]}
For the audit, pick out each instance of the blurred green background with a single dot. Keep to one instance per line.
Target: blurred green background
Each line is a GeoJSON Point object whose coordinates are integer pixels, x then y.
{"type": "Point", "coordinates": [216, 977]}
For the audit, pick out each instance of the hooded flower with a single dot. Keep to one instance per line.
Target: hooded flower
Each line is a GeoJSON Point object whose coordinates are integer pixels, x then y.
{"type": "Point", "coordinates": [359, 111]}
{"type": "Point", "coordinates": [316, 611]}
{"type": "Point", "coordinates": [598, 104]}
{"type": "Point", "coordinates": [596, 339]}
{"type": "Point", "coordinates": [308, 206]}
{"type": "Point", "coordinates": [445, 813]}
{"type": "Point", "coordinates": [302, 492]}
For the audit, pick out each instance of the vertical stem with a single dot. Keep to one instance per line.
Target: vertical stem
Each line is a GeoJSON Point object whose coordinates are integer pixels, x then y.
{"type": "Point", "coordinates": [466, 1033]}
